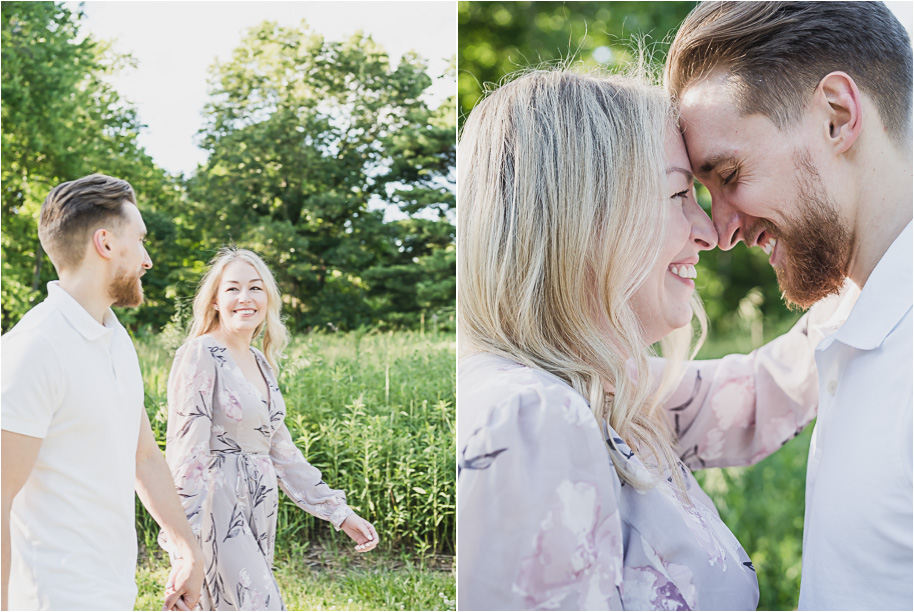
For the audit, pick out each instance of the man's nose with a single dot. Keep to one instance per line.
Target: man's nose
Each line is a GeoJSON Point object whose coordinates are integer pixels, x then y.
{"type": "Point", "coordinates": [147, 261]}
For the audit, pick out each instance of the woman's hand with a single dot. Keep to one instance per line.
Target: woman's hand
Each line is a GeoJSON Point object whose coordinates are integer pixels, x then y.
{"type": "Point", "coordinates": [361, 531]}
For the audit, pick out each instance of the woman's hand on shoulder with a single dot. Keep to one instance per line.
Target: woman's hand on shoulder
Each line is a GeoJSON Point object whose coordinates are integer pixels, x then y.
{"type": "Point", "coordinates": [361, 531]}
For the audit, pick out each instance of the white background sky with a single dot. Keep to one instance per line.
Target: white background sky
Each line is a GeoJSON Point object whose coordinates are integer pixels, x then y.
{"type": "Point", "coordinates": [175, 43]}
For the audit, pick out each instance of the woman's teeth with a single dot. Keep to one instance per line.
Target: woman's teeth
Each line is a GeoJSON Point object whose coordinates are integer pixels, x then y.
{"type": "Point", "coordinates": [769, 246]}
{"type": "Point", "coordinates": [684, 271]}
{"type": "Point", "coordinates": [246, 311]}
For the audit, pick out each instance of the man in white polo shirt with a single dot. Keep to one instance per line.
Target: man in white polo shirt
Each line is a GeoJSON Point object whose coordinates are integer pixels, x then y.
{"type": "Point", "coordinates": [75, 435]}
{"type": "Point", "coordinates": [797, 117]}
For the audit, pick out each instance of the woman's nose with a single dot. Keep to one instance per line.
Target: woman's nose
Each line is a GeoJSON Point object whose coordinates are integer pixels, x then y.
{"type": "Point", "coordinates": [703, 232]}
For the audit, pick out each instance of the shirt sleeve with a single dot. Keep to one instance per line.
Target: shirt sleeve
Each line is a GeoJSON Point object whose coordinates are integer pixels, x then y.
{"type": "Point", "coordinates": [302, 482]}
{"type": "Point", "coordinates": [739, 409]}
{"type": "Point", "coordinates": [31, 383]}
{"type": "Point", "coordinates": [537, 499]}
{"type": "Point", "coordinates": [191, 386]}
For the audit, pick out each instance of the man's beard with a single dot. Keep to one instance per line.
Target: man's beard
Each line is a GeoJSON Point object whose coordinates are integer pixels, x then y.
{"type": "Point", "coordinates": [816, 246]}
{"type": "Point", "coordinates": [126, 290]}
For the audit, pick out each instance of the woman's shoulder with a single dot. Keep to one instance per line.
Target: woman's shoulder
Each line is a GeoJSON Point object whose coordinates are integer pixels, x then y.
{"type": "Point", "coordinates": [497, 377]}
{"type": "Point", "coordinates": [502, 393]}
{"type": "Point", "coordinates": [200, 348]}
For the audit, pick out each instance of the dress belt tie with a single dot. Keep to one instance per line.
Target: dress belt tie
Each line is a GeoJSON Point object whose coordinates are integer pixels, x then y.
{"type": "Point", "coordinates": [238, 451]}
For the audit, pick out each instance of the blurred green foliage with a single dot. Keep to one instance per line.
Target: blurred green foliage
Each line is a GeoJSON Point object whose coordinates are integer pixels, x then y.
{"type": "Point", "coordinates": [499, 38]}
{"type": "Point", "coordinates": [310, 142]}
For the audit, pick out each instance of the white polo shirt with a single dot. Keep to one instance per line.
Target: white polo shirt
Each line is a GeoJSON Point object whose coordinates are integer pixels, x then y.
{"type": "Point", "coordinates": [857, 539]}
{"type": "Point", "coordinates": [77, 385]}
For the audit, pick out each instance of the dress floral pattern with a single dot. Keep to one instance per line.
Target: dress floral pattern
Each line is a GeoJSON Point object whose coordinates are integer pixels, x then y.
{"type": "Point", "coordinates": [546, 523]}
{"type": "Point", "coordinates": [228, 447]}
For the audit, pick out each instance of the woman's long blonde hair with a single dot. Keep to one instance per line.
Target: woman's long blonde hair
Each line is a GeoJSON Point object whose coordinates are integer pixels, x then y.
{"type": "Point", "coordinates": [562, 186]}
{"type": "Point", "coordinates": [206, 317]}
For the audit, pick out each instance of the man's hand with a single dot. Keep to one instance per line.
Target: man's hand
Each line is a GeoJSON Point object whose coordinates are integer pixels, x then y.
{"type": "Point", "coordinates": [182, 590]}
{"type": "Point", "coordinates": [361, 531]}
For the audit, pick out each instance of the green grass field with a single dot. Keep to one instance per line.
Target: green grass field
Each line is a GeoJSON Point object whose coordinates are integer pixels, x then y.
{"type": "Point", "coordinates": [321, 579]}
{"type": "Point", "coordinates": [374, 411]}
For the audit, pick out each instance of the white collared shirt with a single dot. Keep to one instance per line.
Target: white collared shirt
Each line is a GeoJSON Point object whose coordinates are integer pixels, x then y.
{"type": "Point", "coordinates": [77, 385]}
{"type": "Point", "coordinates": [857, 540]}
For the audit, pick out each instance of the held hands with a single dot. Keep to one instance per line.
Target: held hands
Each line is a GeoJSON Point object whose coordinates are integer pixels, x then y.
{"type": "Point", "coordinates": [182, 590]}
{"type": "Point", "coordinates": [361, 531]}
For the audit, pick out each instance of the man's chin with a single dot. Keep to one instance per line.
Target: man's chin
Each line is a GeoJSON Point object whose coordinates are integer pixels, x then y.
{"type": "Point", "coordinates": [800, 290]}
{"type": "Point", "coordinates": [127, 296]}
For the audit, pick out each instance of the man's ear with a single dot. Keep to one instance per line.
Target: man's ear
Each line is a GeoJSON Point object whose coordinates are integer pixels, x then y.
{"type": "Point", "coordinates": [101, 242]}
{"type": "Point", "coordinates": [842, 106]}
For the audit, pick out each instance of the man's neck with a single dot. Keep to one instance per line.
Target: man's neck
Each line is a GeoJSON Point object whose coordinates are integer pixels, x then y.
{"type": "Point", "coordinates": [884, 210]}
{"type": "Point", "coordinates": [90, 291]}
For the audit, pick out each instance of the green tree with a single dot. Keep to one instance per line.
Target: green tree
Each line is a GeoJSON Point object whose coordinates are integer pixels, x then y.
{"type": "Point", "coordinates": [60, 121]}
{"type": "Point", "coordinates": [308, 138]}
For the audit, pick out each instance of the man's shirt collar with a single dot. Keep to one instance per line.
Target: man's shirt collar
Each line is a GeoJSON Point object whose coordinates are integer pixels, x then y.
{"type": "Point", "coordinates": [78, 316]}
{"type": "Point", "coordinates": [884, 300]}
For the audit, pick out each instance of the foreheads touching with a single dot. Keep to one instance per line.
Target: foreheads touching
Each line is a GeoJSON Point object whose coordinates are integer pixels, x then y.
{"type": "Point", "coordinates": [74, 210]}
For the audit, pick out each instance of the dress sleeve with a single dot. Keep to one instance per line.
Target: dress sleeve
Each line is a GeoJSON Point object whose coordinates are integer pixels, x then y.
{"type": "Point", "coordinates": [537, 499]}
{"type": "Point", "coordinates": [739, 409]}
{"type": "Point", "coordinates": [302, 482]}
{"type": "Point", "coordinates": [190, 422]}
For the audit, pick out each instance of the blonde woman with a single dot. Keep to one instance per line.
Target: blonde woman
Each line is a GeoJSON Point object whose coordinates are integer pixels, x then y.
{"type": "Point", "coordinates": [578, 238]}
{"type": "Point", "coordinates": [227, 444]}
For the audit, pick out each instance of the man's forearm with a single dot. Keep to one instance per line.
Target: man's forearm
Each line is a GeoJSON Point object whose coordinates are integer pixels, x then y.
{"type": "Point", "coordinates": [156, 491]}
{"type": "Point", "coordinates": [7, 554]}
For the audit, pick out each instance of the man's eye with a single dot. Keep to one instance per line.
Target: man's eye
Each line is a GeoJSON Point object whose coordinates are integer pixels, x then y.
{"type": "Point", "coordinates": [726, 180]}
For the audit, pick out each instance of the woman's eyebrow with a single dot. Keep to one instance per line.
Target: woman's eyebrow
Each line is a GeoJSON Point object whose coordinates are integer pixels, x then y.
{"type": "Point", "coordinates": [253, 280]}
{"type": "Point", "coordinates": [688, 173]}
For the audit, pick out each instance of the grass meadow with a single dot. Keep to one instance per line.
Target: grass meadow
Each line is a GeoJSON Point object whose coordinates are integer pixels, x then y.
{"type": "Point", "coordinates": [375, 412]}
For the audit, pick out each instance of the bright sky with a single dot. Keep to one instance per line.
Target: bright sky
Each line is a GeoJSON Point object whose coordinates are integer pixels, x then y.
{"type": "Point", "coordinates": [175, 43]}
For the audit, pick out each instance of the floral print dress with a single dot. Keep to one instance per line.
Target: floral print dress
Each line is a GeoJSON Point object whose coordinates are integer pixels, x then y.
{"type": "Point", "coordinates": [544, 521]}
{"type": "Point", "coordinates": [228, 447]}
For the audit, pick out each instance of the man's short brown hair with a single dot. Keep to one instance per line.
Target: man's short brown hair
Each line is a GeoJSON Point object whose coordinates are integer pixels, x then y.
{"type": "Point", "coordinates": [74, 210]}
{"type": "Point", "coordinates": [775, 54]}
